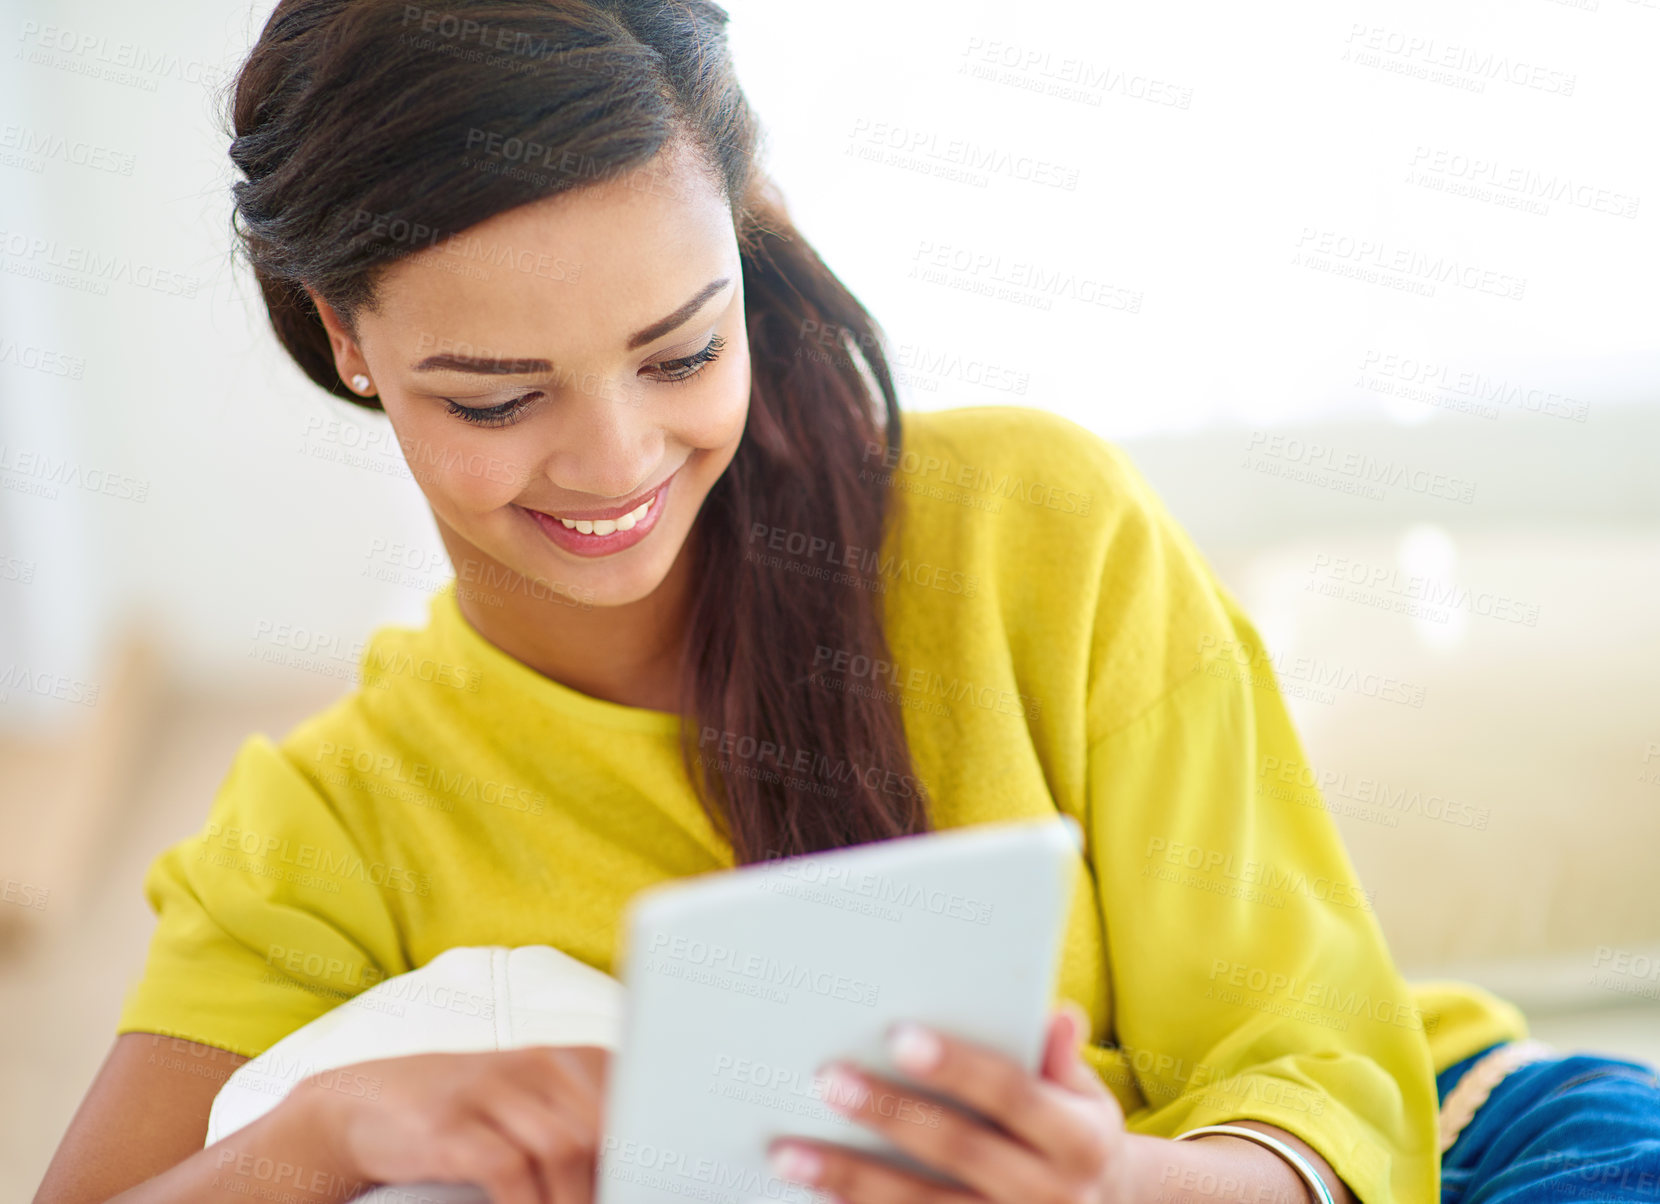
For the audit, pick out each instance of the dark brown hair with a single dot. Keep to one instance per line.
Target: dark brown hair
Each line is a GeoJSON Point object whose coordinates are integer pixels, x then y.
{"type": "Point", "coordinates": [356, 123]}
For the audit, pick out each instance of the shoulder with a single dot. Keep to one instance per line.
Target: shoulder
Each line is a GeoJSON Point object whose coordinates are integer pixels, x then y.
{"type": "Point", "coordinates": [409, 680]}
{"type": "Point", "coordinates": [1060, 463]}
{"type": "Point", "coordinates": [1073, 541]}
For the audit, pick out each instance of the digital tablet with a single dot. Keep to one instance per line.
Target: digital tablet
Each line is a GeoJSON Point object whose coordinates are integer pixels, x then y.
{"type": "Point", "coordinates": [740, 985]}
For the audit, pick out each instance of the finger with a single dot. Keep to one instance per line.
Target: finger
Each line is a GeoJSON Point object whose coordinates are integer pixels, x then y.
{"type": "Point", "coordinates": [1063, 1061]}
{"type": "Point", "coordinates": [852, 1177]}
{"type": "Point", "coordinates": [554, 1075]}
{"type": "Point", "coordinates": [992, 1162]}
{"type": "Point", "coordinates": [592, 1062]}
{"type": "Point", "coordinates": [1059, 1041]}
{"type": "Point", "coordinates": [563, 1147]}
{"type": "Point", "coordinates": [1062, 1124]}
{"type": "Point", "coordinates": [480, 1153]}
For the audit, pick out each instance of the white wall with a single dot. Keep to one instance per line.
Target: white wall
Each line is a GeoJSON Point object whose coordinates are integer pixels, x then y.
{"type": "Point", "coordinates": [1201, 213]}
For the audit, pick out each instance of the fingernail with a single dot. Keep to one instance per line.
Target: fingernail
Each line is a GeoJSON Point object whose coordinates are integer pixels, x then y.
{"type": "Point", "coordinates": [796, 1162]}
{"type": "Point", "coordinates": [841, 1090]}
{"type": "Point", "coordinates": [913, 1048]}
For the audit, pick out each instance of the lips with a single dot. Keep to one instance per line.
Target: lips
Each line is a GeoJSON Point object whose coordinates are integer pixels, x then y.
{"type": "Point", "coordinates": [640, 515]}
{"type": "Point", "coordinates": [612, 512]}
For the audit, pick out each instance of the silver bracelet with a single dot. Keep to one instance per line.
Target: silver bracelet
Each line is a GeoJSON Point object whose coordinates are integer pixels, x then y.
{"type": "Point", "coordinates": [1316, 1185]}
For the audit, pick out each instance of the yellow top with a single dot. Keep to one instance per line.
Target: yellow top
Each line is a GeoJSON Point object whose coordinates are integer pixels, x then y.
{"type": "Point", "coordinates": [1058, 644]}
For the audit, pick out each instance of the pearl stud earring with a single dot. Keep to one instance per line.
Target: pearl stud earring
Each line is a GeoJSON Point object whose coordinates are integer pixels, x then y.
{"type": "Point", "coordinates": [360, 383]}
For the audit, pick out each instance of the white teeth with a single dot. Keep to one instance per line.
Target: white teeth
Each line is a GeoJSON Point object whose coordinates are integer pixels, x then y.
{"type": "Point", "coordinates": [605, 526]}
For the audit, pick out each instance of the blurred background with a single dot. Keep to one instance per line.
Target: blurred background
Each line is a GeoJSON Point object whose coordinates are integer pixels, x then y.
{"type": "Point", "coordinates": [1367, 290]}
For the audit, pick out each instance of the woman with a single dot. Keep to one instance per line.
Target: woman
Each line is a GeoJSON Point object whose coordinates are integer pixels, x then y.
{"type": "Point", "coordinates": [717, 601]}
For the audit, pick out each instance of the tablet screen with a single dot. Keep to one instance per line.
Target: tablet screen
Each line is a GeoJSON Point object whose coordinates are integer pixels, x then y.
{"type": "Point", "coordinates": [741, 984]}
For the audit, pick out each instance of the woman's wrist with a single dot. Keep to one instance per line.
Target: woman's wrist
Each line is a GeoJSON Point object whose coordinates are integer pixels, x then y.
{"type": "Point", "coordinates": [294, 1148]}
{"type": "Point", "coordinates": [1212, 1170]}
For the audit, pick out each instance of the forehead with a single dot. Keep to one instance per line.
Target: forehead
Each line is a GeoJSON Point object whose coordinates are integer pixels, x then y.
{"type": "Point", "coordinates": [579, 270]}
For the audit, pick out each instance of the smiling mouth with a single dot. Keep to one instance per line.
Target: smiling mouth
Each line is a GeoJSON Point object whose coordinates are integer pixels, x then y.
{"type": "Point", "coordinates": [610, 521]}
{"type": "Point", "coordinates": [605, 526]}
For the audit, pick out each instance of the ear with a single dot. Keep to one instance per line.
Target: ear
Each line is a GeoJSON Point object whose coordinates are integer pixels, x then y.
{"type": "Point", "coordinates": [348, 359]}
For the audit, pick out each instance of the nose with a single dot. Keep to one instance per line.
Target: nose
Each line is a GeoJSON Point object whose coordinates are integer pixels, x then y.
{"type": "Point", "coordinates": [609, 450]}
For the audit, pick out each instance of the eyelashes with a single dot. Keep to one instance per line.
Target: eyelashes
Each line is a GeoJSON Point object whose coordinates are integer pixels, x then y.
{"type": "Point", "coordinates": [674, 371]}
{"type": "Point", "coordinates": [691, 365]}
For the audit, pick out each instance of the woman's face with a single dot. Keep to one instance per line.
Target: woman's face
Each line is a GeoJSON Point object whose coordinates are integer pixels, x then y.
{"type": "Point", "coordinates": [552, 365]}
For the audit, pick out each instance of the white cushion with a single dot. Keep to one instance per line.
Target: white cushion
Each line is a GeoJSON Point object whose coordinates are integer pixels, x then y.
{"type": "Point", "coordinates": [465, 1000]}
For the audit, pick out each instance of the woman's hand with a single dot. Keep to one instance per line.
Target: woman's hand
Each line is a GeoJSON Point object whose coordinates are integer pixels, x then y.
{"type": "Point", "coordinates": [524, 1124]}
{"type": "Point", "coordinates": [1058, 1137]}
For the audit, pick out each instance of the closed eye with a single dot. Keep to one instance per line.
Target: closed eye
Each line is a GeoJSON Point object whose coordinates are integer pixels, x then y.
{"type": "Point", "coordinates": [674, 371]}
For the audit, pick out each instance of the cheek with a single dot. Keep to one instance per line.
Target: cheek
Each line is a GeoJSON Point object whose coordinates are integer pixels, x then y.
{"type": "Point", "coordinates": [716, 418]}
{"type": "Point", "coordinates": [462, 470]}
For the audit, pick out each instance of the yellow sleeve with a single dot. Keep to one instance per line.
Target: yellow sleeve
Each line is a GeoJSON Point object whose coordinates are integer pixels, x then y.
{"type": "Point", "coordinates": [1250, 977]}
{"type": "Point", "coordinates": [268, 917]}
{"type": "Point", "coordinates": [1461, 1018]}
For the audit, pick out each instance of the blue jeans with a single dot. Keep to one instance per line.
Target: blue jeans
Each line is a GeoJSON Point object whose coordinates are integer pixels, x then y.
{"type": "Point", "coordinates": [1575, 1128]}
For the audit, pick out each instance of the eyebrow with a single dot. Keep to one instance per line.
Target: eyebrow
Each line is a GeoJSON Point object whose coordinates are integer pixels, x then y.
{"type": "Point", "coordinates": [499, 366]}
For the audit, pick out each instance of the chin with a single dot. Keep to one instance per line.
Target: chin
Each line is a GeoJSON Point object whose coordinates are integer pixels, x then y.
{"type": "Point", "coordinates": [612, 581]}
